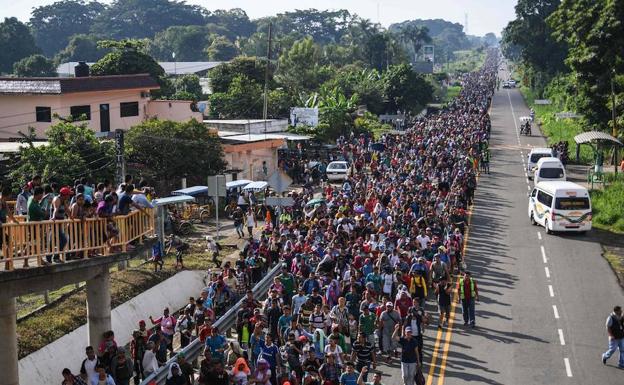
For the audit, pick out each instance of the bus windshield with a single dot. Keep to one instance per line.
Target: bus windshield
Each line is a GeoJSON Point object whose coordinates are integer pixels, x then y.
{"type": "Point", "coordinates": [572, 203]}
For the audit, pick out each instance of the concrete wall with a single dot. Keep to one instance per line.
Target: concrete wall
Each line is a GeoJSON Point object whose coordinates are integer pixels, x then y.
{"type": "Point", "coordinates": [248, 157]}
{"type": "Point", "coordinates": [177, 110]}
{"type": "Point", "coordinates": [17, 112]}
{"type": "Point", "coordinates": [45, 365]}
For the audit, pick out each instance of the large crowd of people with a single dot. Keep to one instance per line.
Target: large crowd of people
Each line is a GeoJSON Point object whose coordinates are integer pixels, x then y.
{"type": "Point", "coordinates": [361, 268]}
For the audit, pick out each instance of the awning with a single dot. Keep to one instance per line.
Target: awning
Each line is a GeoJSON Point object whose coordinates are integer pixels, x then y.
{"type": "Point", "coordinates": [590, 136]}
{"type": "Point", "coordinates": [172, 200]}
{"type": "Point", "coordinates": [237, 183]}
{"type": "Point", "coordinates": [256, 186]}
{"type": "Point", "coordinates": [192, 191]}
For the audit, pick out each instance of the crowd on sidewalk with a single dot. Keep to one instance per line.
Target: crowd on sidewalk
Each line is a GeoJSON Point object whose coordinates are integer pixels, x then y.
{"type": "Point", "coordinates": [359, 267]}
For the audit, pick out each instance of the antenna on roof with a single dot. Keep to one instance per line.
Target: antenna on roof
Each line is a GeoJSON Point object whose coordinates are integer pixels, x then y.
{"type": "Point", "coordinates": [466, 23]}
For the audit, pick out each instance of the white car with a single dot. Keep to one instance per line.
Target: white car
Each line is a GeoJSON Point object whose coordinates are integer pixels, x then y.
{"type": "Point", "coordinates": [337, 170]}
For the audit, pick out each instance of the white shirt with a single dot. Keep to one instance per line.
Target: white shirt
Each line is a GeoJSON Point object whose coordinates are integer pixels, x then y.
{"type": "Point", "coordinates": [423, 240]}
{"type": "Point", "coordinates": [89, 366]}
{"type": "Point", "coordinates": [150, 363]}
{"type": "Point", "coordinates": [336, 353]}
{"type": "Point", "coordinates": [251, 221]}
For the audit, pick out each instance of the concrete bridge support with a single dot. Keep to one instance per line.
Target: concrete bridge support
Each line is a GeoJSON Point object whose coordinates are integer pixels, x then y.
{"type": "Point", "coordinates": [8, 336]}
{"type": "Point", "coordinates": [98, 306]}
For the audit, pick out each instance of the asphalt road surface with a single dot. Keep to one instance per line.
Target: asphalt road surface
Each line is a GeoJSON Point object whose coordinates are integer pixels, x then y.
{"type": "Point", "coordinates": [543, 298]}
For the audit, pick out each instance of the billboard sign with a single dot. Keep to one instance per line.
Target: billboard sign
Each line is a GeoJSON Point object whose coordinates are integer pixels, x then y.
{"type": "Point", "coordinates": [300, 116]}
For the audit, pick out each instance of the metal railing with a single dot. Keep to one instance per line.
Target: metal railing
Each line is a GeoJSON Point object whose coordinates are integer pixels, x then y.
{"type": "Point", "coordinates": [224, 323]}
{"type": "Point", "coordinates": [24, 241]}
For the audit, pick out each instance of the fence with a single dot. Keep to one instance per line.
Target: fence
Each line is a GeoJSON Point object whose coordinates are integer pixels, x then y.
{"type": "Point", "coordinates": [24, 241]}
{"type": "Point", "coordinates": [224, 324]}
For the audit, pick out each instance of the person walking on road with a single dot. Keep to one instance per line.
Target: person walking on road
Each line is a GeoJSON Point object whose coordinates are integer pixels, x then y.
{"type": "Point", "coordinates": [615, 329]}
{"type": "Point", "coordinates": [410, 360]}
{"type": "Point", "coordinates": [468, 294]}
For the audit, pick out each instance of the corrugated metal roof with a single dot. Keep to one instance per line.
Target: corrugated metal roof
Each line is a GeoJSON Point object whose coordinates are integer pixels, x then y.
{"type": "Point", "coordinates": [171, 68]}
{"type": "Point", "coordinates": [29, 86]}
{"type": "Point", "coordinates": [54, 86]}
{"type": "Point", "coordinates": [590, 136]}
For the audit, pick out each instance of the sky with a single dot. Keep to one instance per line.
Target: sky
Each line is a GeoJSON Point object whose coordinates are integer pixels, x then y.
{"type": "Point", "coordinates": [483, 15]}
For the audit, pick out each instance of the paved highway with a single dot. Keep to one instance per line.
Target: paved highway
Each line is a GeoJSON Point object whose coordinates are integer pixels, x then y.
{"type": "Point", "coordinates": [543, 298]}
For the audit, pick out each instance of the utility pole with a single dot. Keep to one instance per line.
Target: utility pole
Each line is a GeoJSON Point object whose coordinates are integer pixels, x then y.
{"type": "Point", "coordinates": [120, 167]}
{"type": "Point", "coordinates": [613, 117]}
{"type": "Point", "coordinates": [266, 82]}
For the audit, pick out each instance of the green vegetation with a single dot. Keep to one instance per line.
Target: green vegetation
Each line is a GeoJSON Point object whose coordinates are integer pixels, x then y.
{"type": "Point", "coordinates": [570, 50]}
{"type": "Point", "coordinates": [557, 130]}
{"type": "Point", "coordinates": [608, 207]}
{"type": "Point", "coordinates": [616, 262]}
{"type": "Point", "coordinates": [451, 93]}
{"type": "Point", "coordinates": [465, 61]}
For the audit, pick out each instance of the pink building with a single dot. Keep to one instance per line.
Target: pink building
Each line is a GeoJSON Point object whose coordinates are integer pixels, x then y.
{"type": "Point", "coordinates": [106, 103]}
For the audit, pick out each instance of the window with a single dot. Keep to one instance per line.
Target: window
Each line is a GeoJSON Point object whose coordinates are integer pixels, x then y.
{"type": "Point", "coordinates": [551, 173]}
{"type": "Point", "coordinates": [44, 114]}
{"type": "Point", "coordinates": [77, 112]}
{"type": "Point", "coordinates": [128, 109]}
{"type": "Point", "coordinates": [536, 157]}
{"type": "Point", "coordinates": [544, 198]}
{"type": "Point", "coordinates": [572, 203]}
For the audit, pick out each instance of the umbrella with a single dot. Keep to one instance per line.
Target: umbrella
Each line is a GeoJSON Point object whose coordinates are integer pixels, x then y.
{"type": "Point", "coordinates": [315, 201]}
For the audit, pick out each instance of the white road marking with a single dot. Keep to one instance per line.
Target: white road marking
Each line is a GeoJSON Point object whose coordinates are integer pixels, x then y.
{"type": "Point", "coordinates": [566, 362]}
{"type": "Point", "coordinates": [539, 235]}
{"type": "Point", "coordinates": [551, 291]}
{"type": "Point", "coordinates": [561, 339]}
{"type": "Point", "coordinates": [526, 175]}
{"type": "Point", "coordinates": [513, 114]}
{"type": "Point", "coordinates": [547, 272]}
{"type": "Point", "coordinates": [543, 254]}
{"type": "Point", "coordinates": [556, 311]}
{"type": "Point", "coordinates": [528, 187]}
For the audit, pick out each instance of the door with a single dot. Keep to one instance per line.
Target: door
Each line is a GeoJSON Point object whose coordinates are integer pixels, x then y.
{"type": "Point", "coordinates": [104, 118]}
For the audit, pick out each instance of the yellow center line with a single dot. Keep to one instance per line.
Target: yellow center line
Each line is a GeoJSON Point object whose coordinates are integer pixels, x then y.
{"type": "Point", "coordinates": [449, 333]}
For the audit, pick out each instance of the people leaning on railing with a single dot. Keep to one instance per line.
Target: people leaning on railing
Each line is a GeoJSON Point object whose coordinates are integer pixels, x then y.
{"type": "Point", "coordinates": [52, 223]}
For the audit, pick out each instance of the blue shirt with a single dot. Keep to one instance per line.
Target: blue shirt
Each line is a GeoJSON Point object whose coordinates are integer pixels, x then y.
{"type": "Point", "coordinates": [269, 353]}
{"type": "Point", "coordinates": [214, 343]}
{"type": "Point", "coordinates": [348, 378]}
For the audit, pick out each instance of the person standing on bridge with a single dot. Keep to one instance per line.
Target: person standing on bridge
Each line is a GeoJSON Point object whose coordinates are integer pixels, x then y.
{"type": "Point", "coordinates": [468, 294]}
{"type": "Point", "coordinates": [615, 329]}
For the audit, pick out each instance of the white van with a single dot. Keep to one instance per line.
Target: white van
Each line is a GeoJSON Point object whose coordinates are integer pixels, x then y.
{"type": "Point", "coordinates": [560, 206]}
{"type": "Point", "coordinates": [535, 155]}
{"type": "Point", "coordinates": [549, 170]}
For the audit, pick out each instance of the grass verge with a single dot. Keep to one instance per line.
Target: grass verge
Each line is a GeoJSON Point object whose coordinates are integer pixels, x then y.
{"type": "Point", "coordinates": [465, 61]}
{"type": "Point", "coordinates": [608, 207]}
{"type": "Point", "coordinates": [557, 130]}
{"type": "Point", "coordinates": [70, 313]}
{"type": "Point", "coordinates": [616, 262]}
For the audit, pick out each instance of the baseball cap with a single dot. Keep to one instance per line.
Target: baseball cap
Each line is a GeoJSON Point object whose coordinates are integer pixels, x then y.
{"type": "Point", "coordinates": [389, 303]}
{"type": "Point", "coordinates": [408, 329]}
{"type": "Point", "coordinates": [65, 191]}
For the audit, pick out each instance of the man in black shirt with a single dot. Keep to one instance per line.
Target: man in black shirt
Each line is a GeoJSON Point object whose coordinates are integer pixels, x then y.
{"type": "Point", "coordinates": [410, 360]}
{"type": "Point", "coordinates": [363, 354]}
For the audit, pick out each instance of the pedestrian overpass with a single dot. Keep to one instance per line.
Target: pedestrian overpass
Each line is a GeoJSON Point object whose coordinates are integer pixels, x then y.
{"type": "Point", "coordinates": [87, 256]}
